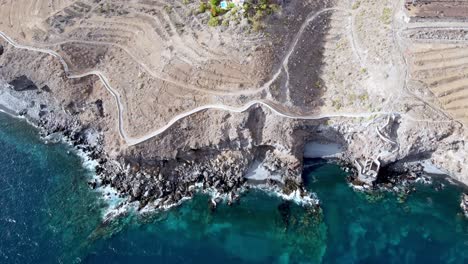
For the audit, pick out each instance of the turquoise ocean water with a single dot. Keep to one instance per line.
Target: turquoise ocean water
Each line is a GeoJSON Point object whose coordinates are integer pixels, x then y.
{"type": "Point", "coordinates": [49, 215]}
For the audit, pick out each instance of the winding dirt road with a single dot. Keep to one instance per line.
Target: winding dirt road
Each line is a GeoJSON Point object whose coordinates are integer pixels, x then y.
{"type": "Point", "coordinates": [134, 141]}
{"type": "Point", "coordinates": [130, 141]}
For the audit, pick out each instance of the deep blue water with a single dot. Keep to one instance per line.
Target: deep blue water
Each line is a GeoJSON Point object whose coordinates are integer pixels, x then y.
{"type": "Point", "coordinates": [49, 215]}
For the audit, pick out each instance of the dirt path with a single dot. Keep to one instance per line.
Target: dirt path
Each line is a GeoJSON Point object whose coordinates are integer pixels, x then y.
{"type": "Point", "coordinates": [130, 141]}
{"type": "Point", "coordinates": [134, 141]}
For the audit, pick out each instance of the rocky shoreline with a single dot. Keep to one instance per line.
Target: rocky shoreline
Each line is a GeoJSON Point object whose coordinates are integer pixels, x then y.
{"type": "Point", "coordinates": [163, 183]}
{"type": "Point", "coordinates": [159, 186]}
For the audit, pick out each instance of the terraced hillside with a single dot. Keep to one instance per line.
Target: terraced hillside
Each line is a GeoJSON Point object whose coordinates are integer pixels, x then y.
{"type": "Point", "coordinates": [163, 61]}
{"type": "Point", "coordinates": [442, 68]}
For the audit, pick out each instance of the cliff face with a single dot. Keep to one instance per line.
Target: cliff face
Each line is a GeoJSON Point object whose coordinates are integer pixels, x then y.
{"type": "Point", "coordinates": [164, 102]}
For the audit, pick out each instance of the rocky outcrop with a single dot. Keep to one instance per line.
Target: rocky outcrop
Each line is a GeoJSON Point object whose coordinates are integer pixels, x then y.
{"type": "Point", "coordinates": [150, 175]}
{"type": "Point", "coordinates": [166, 183]}
{"type": "Point", "coordinates": [22, 83]}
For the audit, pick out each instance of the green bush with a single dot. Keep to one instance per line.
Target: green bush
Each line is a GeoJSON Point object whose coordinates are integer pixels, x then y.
{"type": "Point", "coordinates": [247, 8]}
{"type": "Point", "coordinates": [254, 11]}
{"type": "Point", "coordinates": [202, 8]}
{"type": "Point", "coordinates": [257, 26]}
{"type": "Point", "coordinates": [213, 22]}
{"type": "Point", "coordinates": [275, 8]}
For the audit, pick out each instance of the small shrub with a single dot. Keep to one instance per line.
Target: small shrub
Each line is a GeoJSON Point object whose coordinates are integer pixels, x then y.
{"type": "Point", "coordinates": [259, 14]}
{"type": "Point", "coordinates": [386, 17]}
{"type": "Point", "coordinates": [318, 85]}
{"type": "Point", "coordinates": [202, 8]}
{"type": "Point", "coordinates": [341, 44]}
{"type": "Point", "coordinates": [337, 104]}
{"type": "Point", "coordinates": [356, 5]}
{"type": "Point", "coordinates": [275, 8]}
{"type": "Point", "coordinates": [168, 8]}
{"type": "Point", "coordinates": [213, 22]}
{"type": "Point", "coordinates": [257, 25]}
{"type": "Point", "coordinates": [247, 8]}
{"type": "Point", "coordinates": [364, 97]}
{"type": "Point", "coordinates": [216, 11]}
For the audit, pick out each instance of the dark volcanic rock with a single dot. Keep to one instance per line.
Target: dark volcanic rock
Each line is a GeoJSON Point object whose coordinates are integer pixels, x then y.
{"type": "Point", "coordinates": [100, 107]}
{"type": "Point", "coordinates": [23, 83]}
{"type": "Point", "coordinates": [72, 109]}
{"type": "Point", "coordinates": [46, 88]}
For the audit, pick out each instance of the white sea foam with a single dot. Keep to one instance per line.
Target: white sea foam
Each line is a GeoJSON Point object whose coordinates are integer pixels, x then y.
{"type": "Point", "coordinates": [88, 163]}
{"type": "Point", "coordinates": [305, 199]}
{"type": "Point", "coordinates": [119, 206]}
{"type": "Point", "coordinates": [309, 199]}
{"type": "Point", "coordinates": [112, 213]}
{"type": "Point", "coordinates": [158, 206]}
{"type": "Point", "coordinates": [116, 205]}
{"type": "Point", "coordinates": [260, 173]}
{"type": "Point", "coordinates": [358, 187]}
{"type": "Point", "coordinates": [424, 180]}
